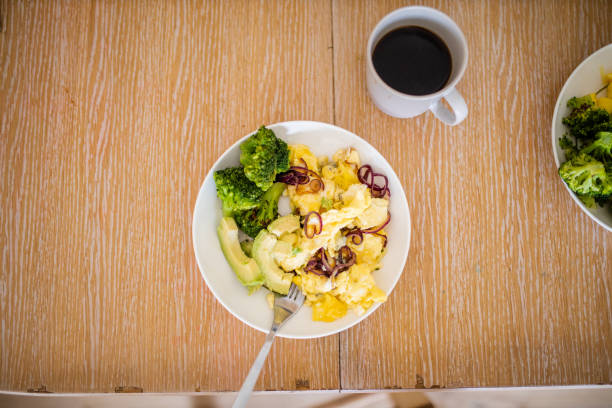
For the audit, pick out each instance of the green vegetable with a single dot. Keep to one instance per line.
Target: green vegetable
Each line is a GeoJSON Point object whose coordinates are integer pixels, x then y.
{"type": "Point", "coordinates": [587, 177]}
{"type": "Point", "coordinates": [244, 267]}
{"type": "Point", "coordinates": [255, 219]}
{"type": "Point", "coordinates": [247, 247]}
{"type": "Point", "coordinates": [601, 148]}
{"type": "Point", "coordinates": [326, 203]}
{"type": "Point", "coordinates": [284, 225]}
{"type": "Point", "coordinates": [236, 191]}
{"type": "Point", "coordinates": [587, 200]}
{"type": "Point", "coordinates": [263, 156]}
{"type": "Point", "coordinates": [579, 102]}
{"type": "Point", "coordinates": [586, 120]}
{"type": "Point", "coordinates": [282, 156]}
{"type": "Point", "coordinates": [588, 150]}
{"type": "Point", "coordinates": [275, 279]}
{"type": "Point", "coordinates": [568, 146]}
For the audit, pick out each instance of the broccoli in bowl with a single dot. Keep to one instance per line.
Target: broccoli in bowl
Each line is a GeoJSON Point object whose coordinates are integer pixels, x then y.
{"type": "Point", "coordinates": [249, 193]}
{"type": "Point", "coordinates": [587, 144]}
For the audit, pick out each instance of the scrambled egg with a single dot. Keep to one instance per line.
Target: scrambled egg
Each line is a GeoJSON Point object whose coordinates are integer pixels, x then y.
{"type": "Point", "coordinates": [343, 203]}
{"type": "Point", "coordinates": [604, 102]}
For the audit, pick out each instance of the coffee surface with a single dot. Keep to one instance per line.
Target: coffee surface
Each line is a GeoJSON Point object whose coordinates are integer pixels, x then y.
{"type": "Point", "coordinates": [413, 60]}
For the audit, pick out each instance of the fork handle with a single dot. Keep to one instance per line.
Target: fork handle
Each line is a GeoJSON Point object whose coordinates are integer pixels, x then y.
{"type": "Point", "coordinates": [249, 382]}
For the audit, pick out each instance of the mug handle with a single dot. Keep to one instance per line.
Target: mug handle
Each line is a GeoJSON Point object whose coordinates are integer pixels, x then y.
{"type": "Point", "coordinates": [457, 104]}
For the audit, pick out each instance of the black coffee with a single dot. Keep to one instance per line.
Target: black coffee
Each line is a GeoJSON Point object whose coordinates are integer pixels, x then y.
{"type": "Point", "coordinates": [413, 60]}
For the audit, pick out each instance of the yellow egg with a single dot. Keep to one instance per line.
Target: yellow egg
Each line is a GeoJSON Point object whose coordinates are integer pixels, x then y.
{"type": "Point", "coordinates": [290, 238]}
{"type": "Point", "coordinates": [297, 259]}
{"type": "Point", "coordinates": [343, 203]}
{"type": "Point", "coordinates": [299, 151]}
{"type": "Point", "coordinates": [356, 199]}
{"type": "Point", "coordinates": [377, 295]}
{"type": "Point", "coordinates": [347, 175]}
{"type": "Point", "coordinates": [369, 250]}
{"type": "Point", "coordinates": [305, 202]}
{"type": "Point", "coordinates": [605, 78]}
{"type": "Point", "coordinates": [343, 175]}
{"type": "Point", "coordinates": [375, 215]}
{"type": "Point", "coordinates": [357, 288]}
{"type": "Point", "coordinates": [343, 170]}
{"type": "Point", "coordinates": [359, 284]}
{"type": "Point", "coordinates": [314, 284]}
{"type": "Point", "coordinates": [349, 155]}
{"type": "Point", "coordinates": [605, 103]}
{"type": "Point", "coordinates": [327, 309]}
{"type": "Point", "coordinates": [374, 296]}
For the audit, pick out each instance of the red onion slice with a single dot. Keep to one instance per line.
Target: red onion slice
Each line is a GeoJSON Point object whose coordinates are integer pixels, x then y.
{"type": "Point", "coordinates": [313, 266]}
{"type": "Point", "coordinates": [325, 261]}
{"type": "Point", "coordinates": [320, 264]}
{"type": "Point", "coordinates": [306, 172]}
{"type": "Point", "coordinates": [316, 185]}
{"type": "Point", "coordinates": [367, 176]}
{"type": "Point", "coordinates": [293, 177]}
{"type": "Point", "coordinates": [356, 236]}
{"type": "Point", "coordinates": [374, 230]}
{"type": "Point", "coordinates": [345, 255]}
{"type": "Point", "coordinates": [306, 180]}
{"type": "Point", "coordinates": [314, 231]}
{"type": "Point", "coordinates": [346, 259]}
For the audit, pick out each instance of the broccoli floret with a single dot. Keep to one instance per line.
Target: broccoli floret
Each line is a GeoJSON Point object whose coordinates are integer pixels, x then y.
{"type": "Point", "coordinates": [568, 146]}
{"type": "Point", "coordinates": [601, 148]}
{"type": "Point", "coordinates": [258, 156]}
{"type": "Point", "coordinates": [282, 156]}
{"type": "Point", "coordinates": [587, 177]}
{"type": "Point", "coordinates": [236, 191]}
{"type": "Point", "coordinates": [587, 200]}
{"type": "Point", "coordinates": [263, 155]}
{"type": "Point", "coordinates": [582, 102]}
{"type": "Point", "coordinates": [254, 220]}
{"type": "Point", "coordinates": [586, 120]}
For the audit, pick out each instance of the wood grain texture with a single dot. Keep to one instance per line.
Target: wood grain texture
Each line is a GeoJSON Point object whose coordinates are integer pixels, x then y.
{"type": "Point", "coordinates": [507, 281]}
{"type": "Point", "coordinates": [111, 115]}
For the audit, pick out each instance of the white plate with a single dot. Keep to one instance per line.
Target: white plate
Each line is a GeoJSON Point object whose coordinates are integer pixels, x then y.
{"type": "Point", "coordinates": [585, 79]}
{"type": "Point", "coordinates": [323, 139]}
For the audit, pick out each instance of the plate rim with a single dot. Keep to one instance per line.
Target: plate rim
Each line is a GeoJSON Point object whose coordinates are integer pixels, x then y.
{"type": "Point", "coordinates": [359, 319]}
{"type": "Point", "coordinates": [558, 103]}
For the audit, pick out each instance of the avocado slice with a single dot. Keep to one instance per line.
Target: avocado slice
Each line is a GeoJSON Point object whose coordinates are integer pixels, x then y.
{"type": "Point", "coordinates": [286, 224]}
{"type": "Point", "coordinates": [275, 278]}
{"type": "Point", "coordinates": [246, 268]}
{"type": "Point", "coordinates": [247, 247]}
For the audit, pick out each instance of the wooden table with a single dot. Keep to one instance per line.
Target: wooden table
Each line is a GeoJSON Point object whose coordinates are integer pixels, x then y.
{"type": "Point", "coordinates": [112, 113]}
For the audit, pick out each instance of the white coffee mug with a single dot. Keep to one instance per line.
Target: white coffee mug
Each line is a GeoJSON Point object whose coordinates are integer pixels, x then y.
{"type": "Point", "coordinates": [402, 105]}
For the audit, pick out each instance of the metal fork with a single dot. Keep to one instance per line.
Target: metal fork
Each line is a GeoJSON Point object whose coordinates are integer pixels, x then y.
{"type": "Point", "coordinates": [284, 308]}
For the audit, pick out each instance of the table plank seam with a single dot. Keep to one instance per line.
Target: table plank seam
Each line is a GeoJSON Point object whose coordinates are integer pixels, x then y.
{"type": "Point", "coordinates": [333, 66]}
